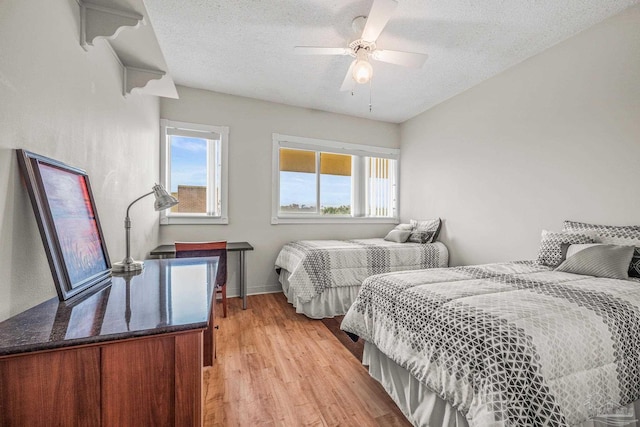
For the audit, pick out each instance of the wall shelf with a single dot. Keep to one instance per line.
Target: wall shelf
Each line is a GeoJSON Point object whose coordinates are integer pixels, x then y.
{"type": "Point", "coordinates": [124, 26]}
{"type": "Point", "coordinates": [104, 22]}
{"type": "Point", "coordinates": [138, 78]}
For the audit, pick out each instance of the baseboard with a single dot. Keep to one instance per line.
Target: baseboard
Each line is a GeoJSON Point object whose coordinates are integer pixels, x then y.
{"type": "Point", "coordinates": [254, 290]}
{"type": "Point", "coordinates": [266, 292]}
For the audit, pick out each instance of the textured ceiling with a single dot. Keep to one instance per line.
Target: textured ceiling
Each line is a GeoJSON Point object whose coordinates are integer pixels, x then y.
{"type": "Point", "coordinates": [245, 47]}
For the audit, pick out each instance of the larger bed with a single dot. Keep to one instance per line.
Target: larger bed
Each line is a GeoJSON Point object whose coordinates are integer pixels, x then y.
{"type": "Point", "coordinates": [555, 342]}
{"type": "Point", "coordinates": [321, 278]}
{"type": "Point", "coordinates": [510, 344]}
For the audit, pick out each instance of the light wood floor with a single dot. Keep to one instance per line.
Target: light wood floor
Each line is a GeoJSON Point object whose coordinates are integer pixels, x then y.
{"type": "Point", "coordinates": [278, 368]}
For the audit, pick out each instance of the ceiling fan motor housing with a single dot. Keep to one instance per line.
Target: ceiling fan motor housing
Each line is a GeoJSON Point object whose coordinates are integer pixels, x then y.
{"type": "Point", "coordinates": [361, 44]}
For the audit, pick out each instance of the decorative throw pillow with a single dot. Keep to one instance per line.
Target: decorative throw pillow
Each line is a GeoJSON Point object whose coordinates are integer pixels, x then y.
{"type": "Point", "coordinates": [420, 237]}
{"type": "Point", "coordinates": [610, 234]}
{"type": "Point", "coordinates": [398, 236]}
{"type": "Point", "coordinates": [634, 268]}
{"type": "Point", "coordinates": [610, 261]}
{"type": "Point", "coordinates": [550, 252]}
{"type": "Point", "coordinates": [425, 231]}
{"type": "Point", "coordinates": [404, 227]}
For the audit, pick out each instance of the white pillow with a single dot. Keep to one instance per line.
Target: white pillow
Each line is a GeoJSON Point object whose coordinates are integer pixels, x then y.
{"type": "Point", "coordinates": [404, 227]}
{"type": "Point", "coordinates": [398, 236]}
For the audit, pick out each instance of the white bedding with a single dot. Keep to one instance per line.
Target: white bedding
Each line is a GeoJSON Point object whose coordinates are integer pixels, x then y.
{"type": "Point", "coordinates": [330, 303]}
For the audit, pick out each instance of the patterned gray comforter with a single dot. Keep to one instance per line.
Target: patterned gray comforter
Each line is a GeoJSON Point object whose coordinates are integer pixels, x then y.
{"type": "Point", "coordinates": [512, 344]}
{"type": "Point", "coordinates": [315, 265]}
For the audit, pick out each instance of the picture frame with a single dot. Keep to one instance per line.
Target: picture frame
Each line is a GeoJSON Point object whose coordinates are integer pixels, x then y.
{"type": "Point", "coordinates": [68, 222]}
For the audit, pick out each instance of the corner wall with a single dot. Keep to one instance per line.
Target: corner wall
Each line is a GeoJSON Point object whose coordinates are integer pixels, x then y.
{"type": "Point", "coordinates": [556, 137]}
{"type": "Point", "coordinates": [62, 102]}
{"type": "Point", "coordinates": [251, 125]}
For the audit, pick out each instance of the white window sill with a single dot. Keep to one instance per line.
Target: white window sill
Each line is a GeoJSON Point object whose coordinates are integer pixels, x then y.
{"type": "Point", "coordinates": [335, 220]}
{"type": "Point", "coordinates": [176, 220]}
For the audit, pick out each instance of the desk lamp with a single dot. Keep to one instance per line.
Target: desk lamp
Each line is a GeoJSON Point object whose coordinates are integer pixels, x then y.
{"type": "Point", "coordinates": [163, 201]}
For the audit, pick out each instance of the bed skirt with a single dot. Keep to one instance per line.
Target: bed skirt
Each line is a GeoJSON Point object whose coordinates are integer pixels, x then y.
{"type": "Point", "coordinates": [423, 407]}
{"type": "Point", "coordinates": [330, 303]}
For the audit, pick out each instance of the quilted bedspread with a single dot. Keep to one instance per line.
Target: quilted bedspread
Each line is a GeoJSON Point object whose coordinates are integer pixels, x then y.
{"type": "Point", "coordinates": [315, 265]}
{"type": "Point", "coordinates": [513, 344]}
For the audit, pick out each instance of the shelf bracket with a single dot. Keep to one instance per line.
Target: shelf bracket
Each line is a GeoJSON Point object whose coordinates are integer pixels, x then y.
{"type": "Point", "coordinates": [98, 21]}
{"type": "Point", "coordinates": [138, 78]}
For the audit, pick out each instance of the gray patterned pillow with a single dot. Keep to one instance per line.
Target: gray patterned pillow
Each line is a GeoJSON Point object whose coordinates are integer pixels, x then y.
{"type": "Point", "coordinates": [634, 268]}
{"type": "Point", "coordinates": [420, 237]}
{"type": "Point", "coordinates": [610, 234]}
{"type": "Point", "coordinates": [550, 252]}
{"type": "Point", "coordinates": [425, 231]}
{"type": "Point", "coordinates": [610, 261]}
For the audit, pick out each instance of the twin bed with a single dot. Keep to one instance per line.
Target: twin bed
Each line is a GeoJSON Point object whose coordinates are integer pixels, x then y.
{"type": "Point", "coordinates": [321, 278]}
{"type": "Point", "coordinates": [511, 344]}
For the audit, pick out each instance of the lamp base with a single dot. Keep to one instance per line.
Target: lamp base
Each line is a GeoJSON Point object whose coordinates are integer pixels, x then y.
{"type": "Point", "coordinates": [126, 267]}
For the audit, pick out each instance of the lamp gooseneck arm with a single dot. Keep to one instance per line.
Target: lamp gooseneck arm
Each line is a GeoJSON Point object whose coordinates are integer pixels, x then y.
{"type": "Point", "coordinates": [141, 197]}
{"type": "Point", "coordinates": [127, 229]}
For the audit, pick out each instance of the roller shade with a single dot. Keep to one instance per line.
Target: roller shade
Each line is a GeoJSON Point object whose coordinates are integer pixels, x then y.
{"type": "Point", "coordinates": [305, 161]}
{"type": "Point", "coordinates": [335, 164]}
{"type": "Point", "coordinates": [297, 160]}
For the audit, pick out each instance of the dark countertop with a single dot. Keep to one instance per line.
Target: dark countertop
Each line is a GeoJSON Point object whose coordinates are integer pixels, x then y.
{"type": "Point", "coordinates": [169, 295]}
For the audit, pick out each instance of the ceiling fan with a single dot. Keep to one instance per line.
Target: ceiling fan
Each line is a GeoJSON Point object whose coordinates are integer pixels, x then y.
{"type": "Point", "coordinates": [364, 48]}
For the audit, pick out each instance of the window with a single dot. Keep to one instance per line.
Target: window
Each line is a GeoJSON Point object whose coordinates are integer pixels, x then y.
{"type": "Point", "coordinates": [194, 169]}
{"type": "Point", "coordinates": [326, 181]}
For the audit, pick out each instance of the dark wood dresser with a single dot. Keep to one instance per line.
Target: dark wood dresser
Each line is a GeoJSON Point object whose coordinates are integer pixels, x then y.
{"type": "Point", "coordinates": [130, 354]}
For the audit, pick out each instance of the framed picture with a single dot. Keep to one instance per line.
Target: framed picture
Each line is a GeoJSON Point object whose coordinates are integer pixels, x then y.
{"type": "Point", "coordinates": [68, 222]}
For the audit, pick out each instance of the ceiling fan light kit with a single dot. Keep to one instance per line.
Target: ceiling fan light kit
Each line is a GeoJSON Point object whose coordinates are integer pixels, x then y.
{"type": "Point", "coordinates": [362, 69]}
{"type": "Point", "coordinates": [364, 48]}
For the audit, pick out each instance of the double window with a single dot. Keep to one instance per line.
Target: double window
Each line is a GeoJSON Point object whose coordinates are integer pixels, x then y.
{"type": "Point", "coordinates": [194, 169]}
{"type": "Point", "coordinates": [327, 181]}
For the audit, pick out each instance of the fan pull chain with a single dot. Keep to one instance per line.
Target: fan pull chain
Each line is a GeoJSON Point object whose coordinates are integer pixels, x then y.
{"type": "Point", "coordinates": [369, 95]}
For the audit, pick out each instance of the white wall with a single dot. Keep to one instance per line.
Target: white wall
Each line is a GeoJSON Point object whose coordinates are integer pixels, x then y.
{"type": "Point", "coordinates": [251, 124]}
{"type": "Point", "coordinates": [555, 137]}
{"type": "Point", "coordinates": [60, 101]}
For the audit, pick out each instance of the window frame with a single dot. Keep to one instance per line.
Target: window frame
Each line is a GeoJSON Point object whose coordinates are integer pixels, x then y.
{"type": "Point", "coordinates": [358, 195]}
{"type": "Point", "coordinates": [169, 218]}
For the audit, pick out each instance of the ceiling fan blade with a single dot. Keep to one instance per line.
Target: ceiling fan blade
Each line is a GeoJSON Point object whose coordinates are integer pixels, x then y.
{"type": "Point", "coordinates": [348, 82]}
{"type": "Point", "coordinates": [315, 50]}
{"type": "Point", "coordinates": [407, 59]}
{"type": "Point", "coordinates": [378, 17]}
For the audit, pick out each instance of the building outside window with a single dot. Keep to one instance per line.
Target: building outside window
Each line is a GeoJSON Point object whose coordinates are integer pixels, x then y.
{"type": "Point", "coordinates": [328, 181]}
{"type": "Point", "coordinates": [194, 169]}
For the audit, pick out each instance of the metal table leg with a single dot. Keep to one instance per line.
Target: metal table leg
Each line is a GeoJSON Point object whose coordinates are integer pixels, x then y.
{"type": "Point", "coordinates": [243, 284]}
